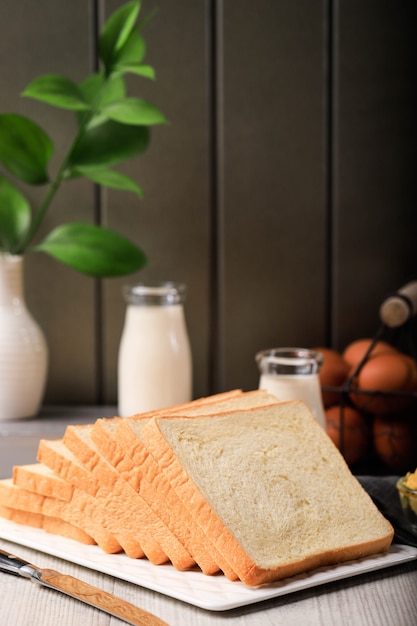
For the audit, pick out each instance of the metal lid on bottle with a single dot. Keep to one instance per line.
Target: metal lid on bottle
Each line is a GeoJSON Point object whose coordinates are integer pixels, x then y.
{"type": "Point", "coordinates": [156, 294]}
{"type": "Point", "coordinates": [290, 361]}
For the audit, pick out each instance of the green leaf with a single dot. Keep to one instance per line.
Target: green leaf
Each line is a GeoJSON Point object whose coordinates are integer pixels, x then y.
{"type": "Point", "coordinates": [99, 91]}
{"type": "Point", "coordinates": [116, 32]}
{"type": "Point", "coordinates": [58, 91]}
{"type": "Point", "coordinates": [112, 179]}
{"type": "Point", "coordinates": [134, 111]}
{"type": "Point", "coordinates": [133, 51]}
{"type": "Point", "coordinates": [141, 70]}
{"type": "Point", "coordinates": [15, 214]}
{"type": "Point", "coordinates": [91, 86]}
{"type": "Point", "coordinates": [25, 149]}
{"type": "Point", "coordinates": [93, 250]}
{"type": "Point", "coordinates": [109, 144]}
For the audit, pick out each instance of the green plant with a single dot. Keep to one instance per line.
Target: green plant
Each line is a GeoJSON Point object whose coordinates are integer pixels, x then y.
{"type": "Point", "coordinates": [110, 129]}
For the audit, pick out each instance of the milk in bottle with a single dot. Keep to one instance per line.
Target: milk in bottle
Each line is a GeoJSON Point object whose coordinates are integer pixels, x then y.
{"type": "Point", "coordinates": [293, 374]}
{"type": "Point", "coordinates": [155, 363]}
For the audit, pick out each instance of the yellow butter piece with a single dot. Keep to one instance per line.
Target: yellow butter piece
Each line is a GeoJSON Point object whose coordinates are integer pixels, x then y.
{"type": "Point", "coordinates": [411, 480]}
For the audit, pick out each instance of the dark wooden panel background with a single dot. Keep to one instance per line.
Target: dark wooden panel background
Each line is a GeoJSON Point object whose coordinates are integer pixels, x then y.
{"type": "Point", "coordinates": [282, 192]}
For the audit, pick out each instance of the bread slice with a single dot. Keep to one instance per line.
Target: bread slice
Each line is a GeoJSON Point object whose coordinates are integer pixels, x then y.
{"type": "Point", "coordinates": [55, 455]}
{"type": "Point", "coordinates": [270, 488]}
{"type": "Point", "coordinates": [127, 505]}
{"type": "Point", "coordinates": [58, 498]}
{"type": "Point", "coordinates": [40, 479]}
{"type": "Point", "coordinates": [51, 525]}
{"type": "Point", "coordinates": [120, 443]}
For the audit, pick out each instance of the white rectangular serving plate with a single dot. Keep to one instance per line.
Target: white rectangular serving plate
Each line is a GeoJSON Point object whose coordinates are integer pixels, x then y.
{"type": "Point", "coordinates": [214, 593]}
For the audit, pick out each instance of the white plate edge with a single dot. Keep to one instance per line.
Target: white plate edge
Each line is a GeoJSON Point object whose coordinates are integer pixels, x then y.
{"type": "Point", "coordinates": [38, 539]}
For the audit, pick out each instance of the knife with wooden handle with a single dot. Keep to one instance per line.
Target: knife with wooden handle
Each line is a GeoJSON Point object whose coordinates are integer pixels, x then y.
{"type": "Point", "coordinates": [80, 590]}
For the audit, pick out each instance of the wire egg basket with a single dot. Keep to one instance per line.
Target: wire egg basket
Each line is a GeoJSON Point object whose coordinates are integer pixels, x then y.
{"type": "Point", "coordinates": [392, 446]}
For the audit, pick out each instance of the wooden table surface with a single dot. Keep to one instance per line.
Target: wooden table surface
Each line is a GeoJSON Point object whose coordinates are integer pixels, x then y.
{"type": "Point", "coordinates": [384, 598]}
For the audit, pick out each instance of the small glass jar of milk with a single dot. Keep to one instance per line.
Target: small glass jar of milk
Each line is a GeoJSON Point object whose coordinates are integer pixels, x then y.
{"type": "Point", "coordinates": [293, 374]}
{"type": "Point", "coordinates": [155, 362]}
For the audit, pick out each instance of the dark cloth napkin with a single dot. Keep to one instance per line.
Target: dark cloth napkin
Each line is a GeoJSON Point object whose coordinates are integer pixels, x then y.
{"type": "Point", "coordinates": [384, 493]}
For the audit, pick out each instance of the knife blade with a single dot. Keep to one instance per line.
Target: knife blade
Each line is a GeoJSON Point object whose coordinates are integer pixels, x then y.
{"type": "Point", "coordinates": [80, 590]}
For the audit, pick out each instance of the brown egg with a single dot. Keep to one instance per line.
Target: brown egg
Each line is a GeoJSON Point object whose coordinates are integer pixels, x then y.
{"type": "Point", "coordinates": [349, 431]}
{"type": "Point", "coordinates": [395, 440]}
{"type": "Point", "coordinates": [385, 372]}
{"type": "Point", "coordinates": [413, 379]}
{"type": "Point", "coordinates": [355, 351]}
{"type": "Point", "coordinates": [333, 373]}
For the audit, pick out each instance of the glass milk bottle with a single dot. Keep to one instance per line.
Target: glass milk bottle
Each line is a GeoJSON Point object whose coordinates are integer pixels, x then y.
{"type": "Point", "coordinates": [293, 374]}
{"type": "Point", "coordinates": [155, 364]}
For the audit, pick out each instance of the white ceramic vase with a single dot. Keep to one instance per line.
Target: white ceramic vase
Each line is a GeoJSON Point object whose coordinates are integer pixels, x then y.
{"type": "Point", "coordinates": [23, 349]}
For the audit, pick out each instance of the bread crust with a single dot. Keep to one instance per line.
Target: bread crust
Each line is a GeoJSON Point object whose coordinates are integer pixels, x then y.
{"type": "Point", "coordinates": [67, 466]}
{"type": "Point", "coordinates": [40, 479]}
{"type": "Point", "coordinates": [53, 525]}
{"type": "Point", "coordinates": [126, 505]}
{"type": "Point", "coordinates": [54, 454]}
{"type": "Point", "coordinates": [40, 485]}
{"type": "Point", "coordinates": [117, 452]}
{"type": "Point", "coordinates": [202, 549]}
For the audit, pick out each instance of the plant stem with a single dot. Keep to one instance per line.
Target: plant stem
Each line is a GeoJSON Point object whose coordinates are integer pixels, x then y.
{"type": "Point", "coordinates": [53, 188]}
{"type": "Point", "coordinates": [38, 217]}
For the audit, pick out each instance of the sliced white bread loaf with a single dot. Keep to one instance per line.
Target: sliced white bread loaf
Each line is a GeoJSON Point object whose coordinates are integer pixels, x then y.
{"type": "Point", "coordinates": [127, 505]}
{"type": "Point", "coordinates": [54, 496]}
{"type": "Point", "coordinates": [270, 489]}
{"type": "Point", "coordinates": [53, 525]}
{"type": "Point", "coordinates": [55, 455]}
